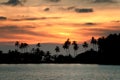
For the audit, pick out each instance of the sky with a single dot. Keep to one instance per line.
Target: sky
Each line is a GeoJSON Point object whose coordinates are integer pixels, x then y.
{"type": "Point", "coordinates": [53, 21]}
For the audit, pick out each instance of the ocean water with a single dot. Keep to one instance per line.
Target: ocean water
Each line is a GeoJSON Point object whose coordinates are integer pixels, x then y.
{"type": "Point", "coordinates": [58, 72]}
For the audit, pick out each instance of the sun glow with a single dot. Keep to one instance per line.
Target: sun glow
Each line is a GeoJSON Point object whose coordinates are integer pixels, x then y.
{"type": "Point", "coordinates": [34, 24]}
{"type": "Point", "coordinates": [64, 34]}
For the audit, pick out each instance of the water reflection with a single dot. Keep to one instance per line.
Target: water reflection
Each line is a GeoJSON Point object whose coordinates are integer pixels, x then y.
{"type": "Point", "coordinates": [58, 72]}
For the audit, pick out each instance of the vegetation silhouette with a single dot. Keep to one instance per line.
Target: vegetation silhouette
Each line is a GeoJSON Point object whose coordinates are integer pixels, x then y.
{"type": "Point", "coordinates": [57, 49]}
{"type": "Point", "coordinates": [94, 43]}
{"type": "Point", "coordinates": [66, 46]}
{"type": "Point", "coordinates": [75, 47]}
{"type": "Point", "coordinates": [108, 52]}
{"type": "Point", "coordinates": [85, 45]}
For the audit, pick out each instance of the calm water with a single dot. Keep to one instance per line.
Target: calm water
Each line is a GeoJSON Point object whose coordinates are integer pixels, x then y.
{"type": "Point", "coordinates": [58, 72]}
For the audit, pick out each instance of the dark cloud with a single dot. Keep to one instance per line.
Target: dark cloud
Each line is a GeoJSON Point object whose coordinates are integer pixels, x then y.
{"type": "Point", "coordinates": [99, 32]}
{"type": "Point", "coordinates": [83, 10]}
{"type": "Point", "coordinates": [47, 9]}
{"type": "Point", "coordinates": [67, 8]}
{"type": "Point", "coordinates": [13, 31]}
{"type": "Point", "coordinates": [54, 0]}
{"type": "Point", "coordinates": [14, 2]}
{"type": "Point", "coordinates": [116, 21]}
{"type": "Point", "coordinates": [102, 1]}
{"type": "Point", "coordinates": [71, 8]}
{"type": "Point", "coordinates": [3, 18]}
{"type": "Point", "coordinates": [29, 27]}
{"type": "Point", "coordinates": [90, 24]}
{"type": "Point", "coordinates": [16, 30]}
{"type": "Point", "coordinates": [34, 18]}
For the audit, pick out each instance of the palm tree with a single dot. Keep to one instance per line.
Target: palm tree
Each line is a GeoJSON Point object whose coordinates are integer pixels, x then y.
{"type": "Point", "coordinates": [33, 50]}
{"type": "Point", "coordinates": [94, 43]}
{"type": "Point", "coordinates": [75, 47]}
{"type": "Point", "coordinates": [38, 45]}
{"type": "Point", "coordinates": [66, 46]}
{"type": "Point", "coordinates": [17, 44]}
{"type": "Point", "coordinates": [26, 46]}
{"type": "Point", "coordinates": [85, 45]}
{"type": "Point", "coordinates": [23, 46]}
{"type": "Point", "coordinates": [57, 49]}
{"type": "Point", "coordinates": [37, 50]}
{"type": "Point", "coordinates": [47, 56]}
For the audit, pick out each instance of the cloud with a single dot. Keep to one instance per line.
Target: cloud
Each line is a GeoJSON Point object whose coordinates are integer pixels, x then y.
{"type": "Point", "coordinates": [103, 1]}
{"type": "Point", "coordinates": [3, 18]}
{"type": "Point", "coordinates": [90, 24]}
{"type": "Point", "coordinates": [14, 2]}
{"type": "Point", "coordinates": [54, 0]}
{"type": "Point", "coordinates": [14, 32]}
{"type": "Point", "coordinates": [34, 18]}
{"type": "Point", "coordinates": [46, 9]}
{"type": "Point", "coordinates": [116, 21]}
{"type": "Point", "coordinates": [99, 32]}
{"type": "Point", "coordinates": [84, 10]}
{"type": "Point", "coordinates": [67, 8]}
{"type": "Point", "coordinates": [71, 7]}
{"type": "Point", "coordinates": [29, 27]}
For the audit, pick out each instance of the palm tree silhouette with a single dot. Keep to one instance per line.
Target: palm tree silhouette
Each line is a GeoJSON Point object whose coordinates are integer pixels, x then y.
{"type": "Point", "coordinates": [85, 45]}
{"type": "Point", "coordinates": [17, 44]}
{"type": "Point", "coordinates": [33, 50]}
{"type": "Point", "coordinates": [57, 49]}
{"type": "Point", "coordinates": [66, 46]}
{"type": "Point", "coordinates": [26, 46]}
{"type": "Point", "coordinates": [23, 46]}
{"type": "Point", "coordinates": [94, 43]}
{"type": "Point", "coordinates": [37, 50]}
{"type": "Point", "coordinates": [38, 45]}
{"type": "Point", "coordinates": [75, 47]}
{"type": "Point", "coordinates": [47, 56]}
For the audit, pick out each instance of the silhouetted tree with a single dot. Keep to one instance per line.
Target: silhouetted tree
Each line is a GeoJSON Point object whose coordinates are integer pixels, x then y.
{"type": "Point", "coordinates": [66, 46]}
{"type": "Point", "coordinates": [1, 52]}
{"type": "Point", "coordinates": [33, 50]}
{"type": "Point", "coordinates": [85, 45]}
{"type": "Point", "coordinates": [47, 56]}
{"type": "Point", "coordinates": [38, 45]}
{"type": "Point", "coordinates": [24, 46]}
{"type": "Point", "coordinates": [57, 49]}
{"type": "Point", "coordinates": [94, 43]}
{"type": "Point", "coordinates": [108, 53]}
{"type": "Point", "coordinates": [17, 44]}
{"type": "Point", "coordinates": [37, 51]}
{"type": "Point", "coordinates": [21, 47]}
{"type": "Point", "coordinates": [109, 48]}
{"type": "Point", "coordinates": [75, 47]}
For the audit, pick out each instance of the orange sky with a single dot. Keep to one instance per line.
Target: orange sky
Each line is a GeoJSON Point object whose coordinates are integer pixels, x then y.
{"type": "Point", "coordinates": [33, 24]}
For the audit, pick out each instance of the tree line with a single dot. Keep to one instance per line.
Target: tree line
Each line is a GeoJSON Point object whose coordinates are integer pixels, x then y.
{"type": "Point", "coordinates": [105, 50]}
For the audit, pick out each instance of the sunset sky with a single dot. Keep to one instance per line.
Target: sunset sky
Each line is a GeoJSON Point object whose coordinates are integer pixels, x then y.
{"type": "Point", "coordinates": [53, 21]}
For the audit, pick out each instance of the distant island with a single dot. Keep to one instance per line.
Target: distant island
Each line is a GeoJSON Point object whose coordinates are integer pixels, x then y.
{"type": "Point", "coordinates": [105, 50]}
